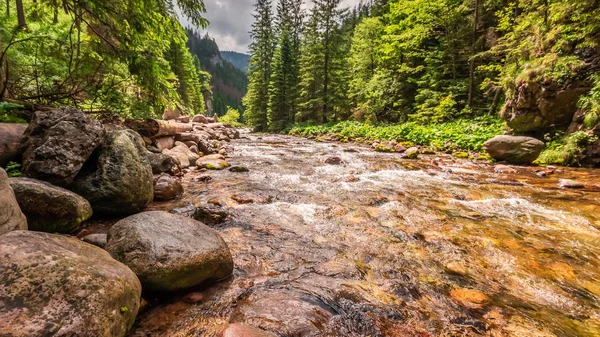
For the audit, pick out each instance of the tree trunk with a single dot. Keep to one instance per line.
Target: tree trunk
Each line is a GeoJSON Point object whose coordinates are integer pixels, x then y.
{"type": "Point", "coordinates": [473, 50]}
{"type": "Point", "coordinates": [495, 101]}
{"type": "Point", "coordinates": [153, 128]}
{"type": "Point", "coordinates": [7, 7]}
{"type": "Point", "coordinates": [21, 15]}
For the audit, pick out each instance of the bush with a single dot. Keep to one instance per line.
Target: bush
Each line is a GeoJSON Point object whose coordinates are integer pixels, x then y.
{"type": "Point", "coordinates": [463, 134]}
{"type": "Point", "coordinates": [13, 170]}
{"type": "Point", "coordinates": [565, 150]}
{"type": "Point", "coordinates": [7, 113]}
{"type": "Point", "coordinates": [232, 117]}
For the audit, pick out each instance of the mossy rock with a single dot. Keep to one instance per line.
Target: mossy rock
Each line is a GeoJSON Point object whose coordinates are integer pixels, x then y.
{"type": "Point", "coordinates": [461, 155]}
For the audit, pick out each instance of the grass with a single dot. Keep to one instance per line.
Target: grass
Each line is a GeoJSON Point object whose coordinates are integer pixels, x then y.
{"type": "Point", "coordinates": [463, 134]}
{"type": "Point", "coordinates": [565, 150]}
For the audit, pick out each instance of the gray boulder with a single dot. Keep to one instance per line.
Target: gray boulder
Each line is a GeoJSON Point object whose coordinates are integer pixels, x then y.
{"type": "Point", "coordinates": [119, 181]}
{"type": "Point", "coordinates": [98, 240]}
{"type": "Point", "coordinates": [59, 286]}
{"type": "Point", "coordinates": [57, 143]}
{"type": "Point", "coordinates": [169, 252]}
{"type": "Point", "coordinates": [49, 208]}
{"type": "Point", "coordinates": [514, 149]}
{"type": "Point", "coordinates": [11, 217]}
{"type": "Point", "coordinates": [161, 163]}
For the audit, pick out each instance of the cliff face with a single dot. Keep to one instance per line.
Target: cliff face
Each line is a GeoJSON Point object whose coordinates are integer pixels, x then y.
{"type": "Point", "coordinates": [229, 84]}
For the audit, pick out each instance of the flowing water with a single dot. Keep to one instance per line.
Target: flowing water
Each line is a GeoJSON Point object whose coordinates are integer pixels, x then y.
{"type": "Point", "coordinates": [383, 246]}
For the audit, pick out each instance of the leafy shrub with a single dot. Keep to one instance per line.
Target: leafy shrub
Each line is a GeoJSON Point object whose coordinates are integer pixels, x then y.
{"type": "Point", "coordinates": [13, 170]}
{"type": "Point", "coordinates": [590, 103]}
{"type": "Point", "coordinates": [463, 134]}
{"type": "Point", "coordinates": [7, 113]}
{"type": "Point", "coordinates": [564, 150]}
{"type": "Point", "coordinates": [232, 117]}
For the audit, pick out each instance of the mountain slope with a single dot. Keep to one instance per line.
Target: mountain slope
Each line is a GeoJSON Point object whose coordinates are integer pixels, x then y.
{"type": "Point", "coordinates": [239, 60]}
{"type": "Point", "coordinates": [229, 84]}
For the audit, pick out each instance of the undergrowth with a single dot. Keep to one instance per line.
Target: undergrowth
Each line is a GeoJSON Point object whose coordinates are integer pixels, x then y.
{"type": "Point", "coordinates": [463, 134]}
{"type": "Point", "coordinates": [564, 150]}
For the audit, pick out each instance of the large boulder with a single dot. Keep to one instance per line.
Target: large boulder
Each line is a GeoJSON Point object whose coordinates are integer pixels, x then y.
{"type": "Point", "coordinates": [119, 180]}
{"type": "Point", "coordinates": [10, 141]}
{"type": "Point", "coordinates": [169, 252]}
{"type": "Point", "coordinates": [167, 188]}
{"type": "Point", "coordinates": [49, 208]}
{"type": "Point", "coordinates": [537, 106]}
{"type": "Point", "coordinates": [57, 143]}
{"type": "Point", "coordinates": [59, 286]}
{"type": "Point", "coordinates": [514, 149]}
{"type": "Point", "coordinates": [11, 217]}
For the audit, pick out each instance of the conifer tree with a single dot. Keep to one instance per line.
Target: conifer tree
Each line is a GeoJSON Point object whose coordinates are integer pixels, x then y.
{"type": "Point", "coordinates": [257, 98]}
{"type": "Point", "coordinates": [280, 100]}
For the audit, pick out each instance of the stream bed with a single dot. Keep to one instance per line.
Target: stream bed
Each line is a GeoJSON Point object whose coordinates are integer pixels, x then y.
{"type": "Point", "coordinates": [384, 246]}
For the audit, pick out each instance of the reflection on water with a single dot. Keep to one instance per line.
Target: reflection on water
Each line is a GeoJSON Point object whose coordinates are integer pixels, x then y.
{"type": "Point", "coordinates": [381, 246]}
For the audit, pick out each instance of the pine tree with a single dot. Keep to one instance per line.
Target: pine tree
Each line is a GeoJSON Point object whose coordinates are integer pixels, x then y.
{"type": "Point", "coordinates": [256, 100]}
{"type": "Point", "coordinates": [311, 76]}
{"type": "Point", "coordinates": [280, 101]}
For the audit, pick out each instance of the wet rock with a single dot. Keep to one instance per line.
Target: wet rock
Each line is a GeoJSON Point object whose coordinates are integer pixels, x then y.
{"type": "Point", "coordinates": [212, 164]}
{"type": "Point", "coordinates": [239, 169]}
{"type": "Point", "coordinates": [469, 297]}
{"type": "Point", "coordinates": [11, 217]}
{"type": "Point", "coordinates": [98, 240]}
{"type": "Point", "coordinates": [351, 179]}
{"type": "Point", "coordinates": [119, 182]}
{"type": "Point", "coordinates": [182, 158]}
{"type": "Point", "coordinates": [193, 298]}
{"type": "Point", "coordinates": [334, 160]}
{"type": "Point", "coordinates": [165, 143]}
{"type": "Point", "coordinates": [505, 169]}
{"type": "Point", "coordinates": [570, 184]}
{"type": "Point", "coordinates": [192, 157]}
{"type": "Point", "coordinates": [282, 313]}
{"type": "Point", "coordinates": [412, 153]}
{"type": "Point", "coordinates": [49, 208]}
{"type": "Point", "coordinates": [251, 198]}
{"type": "Point", "coordinates": [57, 143]}
{"type": "Point", "coordinates": [10, 141]}
{"type": "Point", "coordinates": [541, 174]}
{"type": "Point", "coordinates": [54, 285]}
{"type": "Point", "coordinates": [385, 147]}
{"type": "Point", "coordinates": [514, 149]}
{"type": "Point", "coordinates": [167, 188]}
{"type": "Point", "coordinates": [169, 252]}
{"type": "Point", "coordinates": [243, 330]}
{"type": "Point", "coordinates": [161, 162]}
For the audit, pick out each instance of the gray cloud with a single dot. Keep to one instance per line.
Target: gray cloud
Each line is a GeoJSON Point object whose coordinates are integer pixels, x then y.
{"type": "Point", "coordinates": [231, 21]}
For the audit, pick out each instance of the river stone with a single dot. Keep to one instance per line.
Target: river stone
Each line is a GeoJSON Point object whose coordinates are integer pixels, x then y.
{"type": "Point", "coordinates": [200, 119]}
{"type": "Point", "coordinates": [98, 240]}
{"type": "Point", "coordinates": [568, 183]}
{"type": "Point", "coordinates": [119, 182]}
{"type": "Point", "coordinates": [169, 252]}
{"type": "Point", "coordinates": [192, 157]}
{"type": "Point", "coordinates": [182, 158]}
{"type": "Point", "coordinates": [57, 143]}
{"type": "Point", "coordinates": [11, 217]}
{"type": "Point", "coordinates": [514, 149]}
{"type": "Point", "coordinates": [412, 153]}
{"type": "Point", "coordinates": [10, 141]}
{"type": "Point", "coordinates": [243, 330]}
{"type": "Point", "coordinates": [49, 208]}
{"type": "Point", "coordinates": [161, 162]}
{"type": "Point", "coordinates": [54, 285]}
{"type": "Point", "coordinates": [167, 188]}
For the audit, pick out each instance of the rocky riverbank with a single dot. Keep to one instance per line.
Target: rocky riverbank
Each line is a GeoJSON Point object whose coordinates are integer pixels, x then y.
{"type": "Point", "coordinates": [62, 279]}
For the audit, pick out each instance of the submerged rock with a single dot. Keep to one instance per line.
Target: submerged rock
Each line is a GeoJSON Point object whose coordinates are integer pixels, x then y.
{"type": "Point", "coordinates": [334, 160]}
{"type": "Point", "coordinates": [54, 285]}
{"type": "Point", "coordinates": [49, 208]}
{"type": "Point", "coordinates": [11, 217]}
{"type": "Point", "coordinates": [57, 143]}
{"type": "Point", "coordinates": [170, 252]}
{"type": "Point", "coordinates": [568, 183]}
{"type": "Point", "coordinates": [167, 188]}
{"type": "Point", "coordinates": [119, 182]}
{"type": "Point", "coordinates": [514, 149]}
{"type": "Point", "coordinates": [212, 164]}
{"type": "Point", "coordinates": [239, 169]}
{"type": "Point", "coordinates": [243, 330]}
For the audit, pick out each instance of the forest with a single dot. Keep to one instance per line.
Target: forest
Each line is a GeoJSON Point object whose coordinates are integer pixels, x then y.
{"type": "Point", "coordinates": [428, 62]}
{"type": "Point", "coordinates": [128, 59]}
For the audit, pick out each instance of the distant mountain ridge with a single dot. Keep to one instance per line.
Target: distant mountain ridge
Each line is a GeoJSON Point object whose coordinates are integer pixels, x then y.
{"type": "Point", "coordinates": [229, 84]}
{"type": "Point", "coordinates": [239, 60]}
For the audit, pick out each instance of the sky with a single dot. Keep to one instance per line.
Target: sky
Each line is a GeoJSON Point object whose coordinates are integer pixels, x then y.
{"type": "Point", "coordinates": [231, 20]}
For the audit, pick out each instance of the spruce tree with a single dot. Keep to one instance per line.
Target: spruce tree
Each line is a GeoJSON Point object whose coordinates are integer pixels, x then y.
{"type": "Point", "coordinates": [280, 100]}
{"type": "Point", "coordinates": [311, 76]}
{"type": "Point", "coordinates": [261, 49]}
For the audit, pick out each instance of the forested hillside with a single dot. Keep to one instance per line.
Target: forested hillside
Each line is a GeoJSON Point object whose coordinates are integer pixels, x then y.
{"type": "Point", "coordinates": [534, 63]}
{"type": "Point", "coordinates": [129, 58]}
{"type": "Point", "coordinates": [239, 60]}
{"type": "Point", "coordinates": [228, 82]}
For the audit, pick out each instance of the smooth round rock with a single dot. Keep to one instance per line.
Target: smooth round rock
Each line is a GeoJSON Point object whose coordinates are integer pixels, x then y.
{"type": "Point", "coordinates": [11, 217]}
{"type": "Point", "coordinates": [514, 149]}
{"type": "Point", "coordinates": [169, 252]}
{"type": "Point", "coordinates": [167, 188]}
{"type": "Point", "coordinates": [243, 330]}
{"type": "Point", "coordinates": [54, 285]}
{"type": "Point", "coordinates": [49, 208]}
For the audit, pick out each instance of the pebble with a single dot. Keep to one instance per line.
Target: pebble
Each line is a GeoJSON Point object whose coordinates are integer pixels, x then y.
{"type": "Point", "coordinates": [568, 183]}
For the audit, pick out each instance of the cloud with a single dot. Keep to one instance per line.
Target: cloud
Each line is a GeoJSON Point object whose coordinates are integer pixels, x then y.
{"type": "Point", "coordinates": [231, 21]}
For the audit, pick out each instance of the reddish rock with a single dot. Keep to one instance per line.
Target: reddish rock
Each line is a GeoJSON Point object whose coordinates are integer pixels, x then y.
{"type": "Point", "coordinates": [243, 330]}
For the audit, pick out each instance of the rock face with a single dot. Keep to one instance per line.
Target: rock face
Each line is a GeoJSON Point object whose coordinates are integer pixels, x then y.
{"type": "Point", "coordinates": [120, 180]}
{"type": "Point", "coordinates": [10, 141]}
{"type": "Point", "coordinates": [169, 252]}
{"type": "Point", "coordinates": [11, 217]}
{"type": "Point", "coordinates": [167, 188]}
{"type": "Point", "coordinates": [49, 208]}
{"type": "Point", "coordinates": [536, 106]}
{"type": "Point", "coordinates": [53, 285]}
{"type": "Point", "coordinates": [513, 149]}
{"type": "Point", "coordinates": [57, 143]}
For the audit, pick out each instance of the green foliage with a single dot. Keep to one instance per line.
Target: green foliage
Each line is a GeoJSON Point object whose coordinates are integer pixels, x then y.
{"type": "Point", "coordinates": [462, 134]}
{"type": "Point", "coordinates": [13, 170]}
{"type": "Point", "coordinates": [7, 111]}
{"type": "Point", "coordinates": [564, 150]}
{"type": "Point", "coordinates": [232, 117]}
{"type": "Point", "coordinates": [590, 103]}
